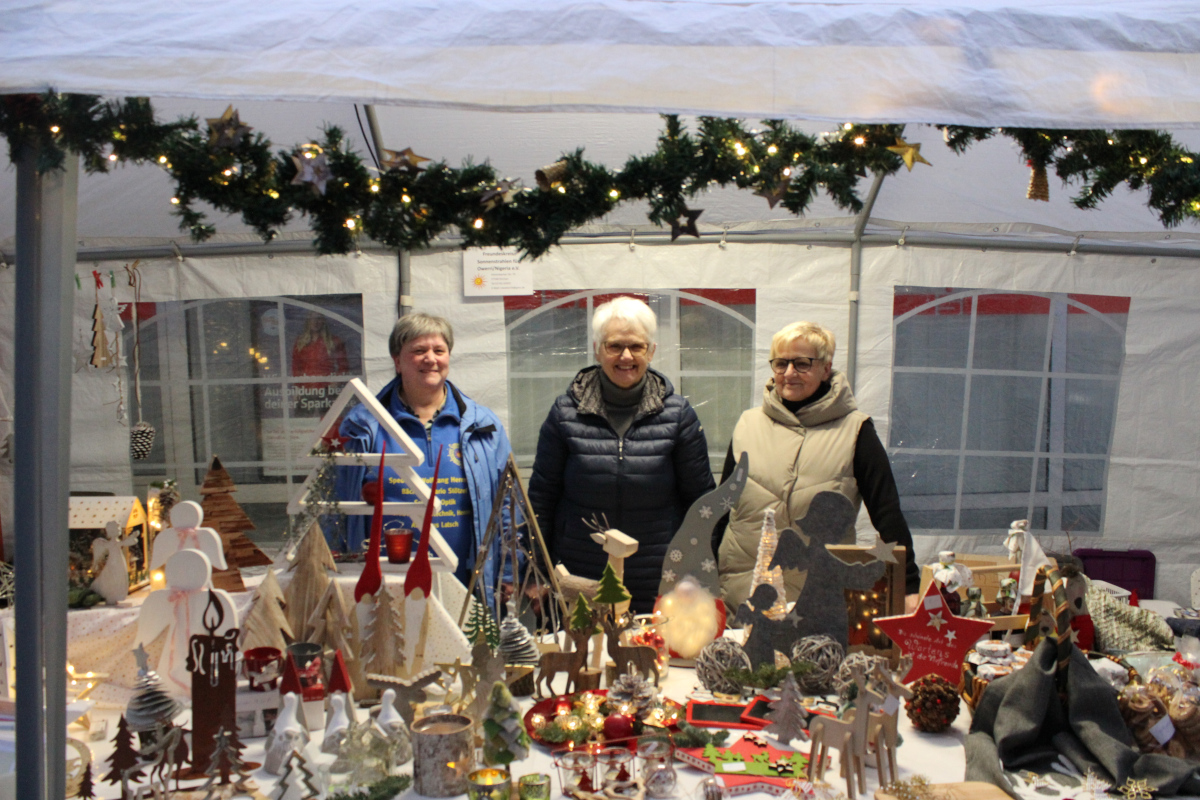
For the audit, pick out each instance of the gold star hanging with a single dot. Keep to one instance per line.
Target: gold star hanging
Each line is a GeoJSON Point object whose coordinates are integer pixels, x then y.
{"type": "Point", "coordinates": [911, 153]}
{"type": "Point", "coordinates": [774, 194]}
{"type": "Point", "coordinates": [226, 131]}
{"type": "Point", "coordinates": [686, 223]}
{"type": "Point", "coordinates": [404, 160]}
{"type": "Point", "coordinates": [502, 193]}
{"type": "Point", "coordinates": [312, 167]}
{"type": "Point", "coordinates": [1136, 790]}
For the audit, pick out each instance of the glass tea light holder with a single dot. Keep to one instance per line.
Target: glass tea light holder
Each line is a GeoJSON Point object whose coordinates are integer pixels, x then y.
{"type": "Point", "coordinates": [657, 770]}
{"type": "Point", "coordinates": [535, 786]}
{"type": "Point", "coordinates": [576, 771]}
{"type": "Point", "coordinates": [443, 754]}
{"type": "Point", "coordinates": [490, 783]}
{"type": "Point", "coordinates": [615, 766]}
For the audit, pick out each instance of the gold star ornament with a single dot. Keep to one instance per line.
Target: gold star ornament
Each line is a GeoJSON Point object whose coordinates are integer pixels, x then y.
{"type": "Point", "coordinates": [226, 131]}
{"type": "Point", "coordinates": [911, 153]}
{"type": "Point", "coordinates": [405, 160]}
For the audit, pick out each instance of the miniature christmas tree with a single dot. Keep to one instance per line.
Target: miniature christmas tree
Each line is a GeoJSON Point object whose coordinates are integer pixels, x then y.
{"type": "Point", "coordinates": [226, 762]}
{"type": "Point", "coordinates": [632, 694]}
{"type": "Point", "coordinates": [266, 623]}
{"type": "Point", "coordinates": [516, 642]}
{"type": "Point", "coordinates": [787, 716]}
{"type": "Point", "coordinates": [582, 617]}
{"type": "Point", "coordinates": [610, 590]}
{"type": "Point", "coordinates": [763, 573]}
{"type": "Point", "coordinates": [124, 755]}
{"type": "Point", "coordinates": [223, 514]}
{"type": "Point", "coordinates": [505, 739]}
{"type": "Point", "coordinates": [86, 790]}
{"type": "Point", "coordinates": [310, 577]}
{"type": "Point", "coordinates": [297, 781]}
{"type": "Point", "coordinates": [101, 355]}
{"type": "Point", "coordinates": [481, 625]}
{"type": "Point", "coordinates": [150, 706]}
{"type": "Point", "coordinates": [383, 644]}
{"type": "Point", "coordinates": [334, 626]}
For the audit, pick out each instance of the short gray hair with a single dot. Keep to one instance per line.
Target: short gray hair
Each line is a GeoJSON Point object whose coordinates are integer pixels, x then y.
{"type": "Point", "coordinates": [629, 309]}
{"type": "Point", "coordinates": [414, 326]}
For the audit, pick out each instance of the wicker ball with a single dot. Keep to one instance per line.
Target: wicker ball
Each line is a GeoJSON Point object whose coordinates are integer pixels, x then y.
{"type": "Point", "coordinates": [826, 656]}
{"type": "Point", "coordinates": [718, 656]}
{"type": "Point", "coordinates": [934, 704]}
{"type": "Point", "coordinates": [843, 681]}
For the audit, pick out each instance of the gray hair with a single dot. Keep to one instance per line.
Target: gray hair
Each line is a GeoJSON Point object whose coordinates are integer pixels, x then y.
{"type": "Point", "coordinates": [629, 309]}
{"type": "Point", "coordinates": [414, 326]}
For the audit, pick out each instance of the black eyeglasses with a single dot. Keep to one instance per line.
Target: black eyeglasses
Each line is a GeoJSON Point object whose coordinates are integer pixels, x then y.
{"type": "Point", "coordinates": [634, 348]}
{"type": "Point", "coordinates": [801, 364]}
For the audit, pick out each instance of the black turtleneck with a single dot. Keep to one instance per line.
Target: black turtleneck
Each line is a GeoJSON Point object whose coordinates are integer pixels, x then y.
{"type": "Point", "coordinates": [621, 405]}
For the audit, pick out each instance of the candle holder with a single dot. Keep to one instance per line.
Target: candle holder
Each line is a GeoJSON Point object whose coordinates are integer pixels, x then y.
{"type": "Point", "coordinates": [576, 771]}
{"type": "Point", "coordinates": [443, 755]}
{"type": "Point", "coordinates": [614, 763]}
{"type": "Point", "coordinates": [490, 783]}
{"type": "Point", "coordinates": [535, 786]}
{"type": "Point", "coordinates": [658, 771]}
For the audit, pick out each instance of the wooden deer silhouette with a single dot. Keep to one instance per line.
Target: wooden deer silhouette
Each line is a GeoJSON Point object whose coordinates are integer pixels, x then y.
{"type": "Point", "coordinates": [550, 664]}
{"type": "Point", "coordinates": [848, 736]}
{"type": "Point", "coordinates": [641, 657]}
{"type": "Point", "coordinates": [881, 731]}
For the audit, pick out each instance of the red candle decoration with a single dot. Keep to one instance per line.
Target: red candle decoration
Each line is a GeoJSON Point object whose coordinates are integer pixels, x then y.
{"type": "Point", "coordinates": [372, 576]}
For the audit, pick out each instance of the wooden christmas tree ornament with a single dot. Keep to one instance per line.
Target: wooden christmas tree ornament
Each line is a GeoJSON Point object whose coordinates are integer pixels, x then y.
{"type": "Point", "coordinates": [223, 514]}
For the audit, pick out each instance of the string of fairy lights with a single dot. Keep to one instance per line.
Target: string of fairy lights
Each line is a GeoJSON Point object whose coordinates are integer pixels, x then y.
{"type": "Point", "coordinates": [410, 200]}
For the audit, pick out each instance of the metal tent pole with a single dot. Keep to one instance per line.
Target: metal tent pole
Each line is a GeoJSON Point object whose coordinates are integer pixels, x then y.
{"type": "Point", "coordinates": [45, 303]}
{"type": "Point", "coordinates": [860, 224]}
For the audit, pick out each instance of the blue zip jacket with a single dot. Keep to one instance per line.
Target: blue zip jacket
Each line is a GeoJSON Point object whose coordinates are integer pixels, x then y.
{"type": "Point", "coordinates": [485, 450]}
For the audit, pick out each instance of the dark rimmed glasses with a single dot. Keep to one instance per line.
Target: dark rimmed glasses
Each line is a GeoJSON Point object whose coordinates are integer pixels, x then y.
{"type": "Point", "coordinates": [801, 364]}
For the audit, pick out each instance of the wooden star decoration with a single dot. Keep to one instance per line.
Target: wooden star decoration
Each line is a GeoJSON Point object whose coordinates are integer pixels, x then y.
{"type": "Point", "coordinates": [226, 131]}
{"type": "Point", "coordinates": [405, 160]}
{"type": "Point", "coordinates": [686, 223]}
{"type": "Point", "coordinates": [936, 648]}
{"type": "Point", "coordinates": [882, 551]}
{"type": "Point", "coordinates": [911, 153]}
{"type": "Point", "coordinates": [1136, 790]}
{"type": "Point", "coordinates": [503, 192]}
{"type": "Point", "coordinates": [775, 193]}
{"type": "Point", "coordinates": [313, 169]}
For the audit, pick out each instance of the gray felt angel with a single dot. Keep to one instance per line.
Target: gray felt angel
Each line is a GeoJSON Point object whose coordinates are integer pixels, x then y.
{"type": "Point", "coordinates": [823, 599]}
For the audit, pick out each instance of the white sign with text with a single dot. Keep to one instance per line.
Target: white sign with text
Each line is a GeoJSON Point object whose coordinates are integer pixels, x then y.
{"type": "Point", "coordinates": [495, 272]}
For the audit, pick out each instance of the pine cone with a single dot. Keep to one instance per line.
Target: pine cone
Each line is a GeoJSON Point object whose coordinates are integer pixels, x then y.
{"type": "Point", "coordinates": [634, 691]}
{"type": "Point", "coordinates": [934, 704]}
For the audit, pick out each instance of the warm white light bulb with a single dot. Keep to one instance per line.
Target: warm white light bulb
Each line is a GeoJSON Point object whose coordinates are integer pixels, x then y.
{"type": "Point", "coordinates": [772, 149]}
{"type": "Point", "coordinates": [351, 224]}
{"type": "Point", "coordinates": [478, 224]}
{"type": "Point", "coordinates": [847, 125]}
{"type": "Point", "coordinates": [54, 129]}
{"type": "Point", "coordinates": [174, 201]}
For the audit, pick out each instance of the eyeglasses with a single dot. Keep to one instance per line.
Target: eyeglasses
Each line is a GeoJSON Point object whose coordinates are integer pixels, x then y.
{"type": "Point", "coordinates": [801, 364]}
{"type": "Point", "coordinates": [634, 348]}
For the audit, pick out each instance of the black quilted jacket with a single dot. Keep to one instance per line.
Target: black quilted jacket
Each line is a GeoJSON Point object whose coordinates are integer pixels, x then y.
{"type": "Point", "coordinates": [643, 483]}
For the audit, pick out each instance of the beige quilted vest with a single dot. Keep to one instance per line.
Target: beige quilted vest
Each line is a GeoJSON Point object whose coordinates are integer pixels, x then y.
{"type": "Point", "coordinates": [792, 458]}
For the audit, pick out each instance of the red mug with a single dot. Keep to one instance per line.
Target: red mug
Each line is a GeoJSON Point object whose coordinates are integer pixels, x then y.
{"type": "Point", "coordinates": [262, 667]}
{"type": "Point", "coordinates": [399, 545]}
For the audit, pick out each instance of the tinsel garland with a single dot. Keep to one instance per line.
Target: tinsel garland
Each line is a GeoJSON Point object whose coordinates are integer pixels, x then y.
{"type": "Point", "coordinates": [406, 207]}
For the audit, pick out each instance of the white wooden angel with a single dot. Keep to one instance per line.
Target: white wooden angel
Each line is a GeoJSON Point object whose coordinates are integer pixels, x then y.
{"type": "Point", "coordinates": [112, 582]}
{"type": "Point", "coordinates": [180, 610]}
{"type": "Point", "coordinates": [185, 533]}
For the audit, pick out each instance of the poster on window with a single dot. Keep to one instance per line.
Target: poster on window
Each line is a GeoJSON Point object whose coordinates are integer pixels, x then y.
{"type": "Point", "coordinates": [496, 272]}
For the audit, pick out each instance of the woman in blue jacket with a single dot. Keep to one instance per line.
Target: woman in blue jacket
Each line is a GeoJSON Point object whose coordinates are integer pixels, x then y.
{"type": "Point", "coordinates": [619, 445]}
{"type": "Point", "coordinates": [435, 414]}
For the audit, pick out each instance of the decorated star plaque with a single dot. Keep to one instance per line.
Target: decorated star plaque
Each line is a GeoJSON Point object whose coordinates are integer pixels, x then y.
{"type": "Point", "coordinates": [405, 160]}
{"type": "Point", "coordinates": [936, 639]}
{"type": "Point", "coordinates": [226, 131]}
{"type": "Point", "coordinates": [910, 152]}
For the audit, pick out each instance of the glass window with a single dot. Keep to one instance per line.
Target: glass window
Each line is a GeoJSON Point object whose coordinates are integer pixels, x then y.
{"type": "Point", "coordinates": [705, 348]}
{"type": "Point", "coordinates": [1035, 374]}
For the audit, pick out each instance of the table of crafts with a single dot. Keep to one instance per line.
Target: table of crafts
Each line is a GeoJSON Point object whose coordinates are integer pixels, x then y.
{"type": "Point", "coordinates": [938, 757]}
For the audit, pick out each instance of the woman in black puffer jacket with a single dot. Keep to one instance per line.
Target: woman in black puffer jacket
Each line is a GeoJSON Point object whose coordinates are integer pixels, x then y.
{"type": "Point", "coordinates": [620, 445]}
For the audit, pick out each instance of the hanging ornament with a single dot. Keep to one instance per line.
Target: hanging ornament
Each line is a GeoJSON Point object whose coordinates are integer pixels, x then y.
{"type": "Point", "coordinates": [141, 434]}
{"type": "Point", "coordinates": [551, 176]}
{"type": "Point", "coordinates": [911, 153]}
{"type": "Point", "coordinates": [312, 167]}
{"type": "Point", "coordinates": [404, 160]}
{"type": "Point", "coordinates": [502, 193]}
{"type": "Point", "coordinates": [775, 193]}
{"type": "Point", "coordinates": [141, 440]}
{"type": "Point", "coordinates": [101, 355]}
{"type": "Point", "coordinates": [686, 223]}
{"type": "Point", "coordinates": [1039, 184]}
{"type": "Point", "coordinates": [226, 132]}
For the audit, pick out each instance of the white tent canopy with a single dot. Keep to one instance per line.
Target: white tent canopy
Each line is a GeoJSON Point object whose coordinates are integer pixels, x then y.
{"type": "Point", "coordinates": [1077, 63]}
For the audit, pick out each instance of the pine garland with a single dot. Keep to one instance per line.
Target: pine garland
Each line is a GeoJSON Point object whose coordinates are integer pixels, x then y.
{"type": "Point", "coordinates": [407, 208]}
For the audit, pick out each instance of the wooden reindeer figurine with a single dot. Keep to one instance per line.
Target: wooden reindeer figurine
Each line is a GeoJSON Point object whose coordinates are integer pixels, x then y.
{"type": "Point", "coordinates": [550, 664]}
{"type": "Point", "coordinates": [640, 656]}
{"type": "Point", "coordinates": [881, 732]}
{"type": "Point", "coordinates": [848, 736]}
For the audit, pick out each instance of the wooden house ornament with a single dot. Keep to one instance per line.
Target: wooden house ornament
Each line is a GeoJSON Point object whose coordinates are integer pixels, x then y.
{"type": "Point", "coordinates": [88, 520]}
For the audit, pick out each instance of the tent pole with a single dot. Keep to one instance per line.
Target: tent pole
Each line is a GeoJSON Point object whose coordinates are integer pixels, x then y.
{"type": "Point", "coordinates": [45, 302]}
{"type": "Point", "coordinates": [860, 224]}
{"type": "Point", "coordinates": [404, 301]}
